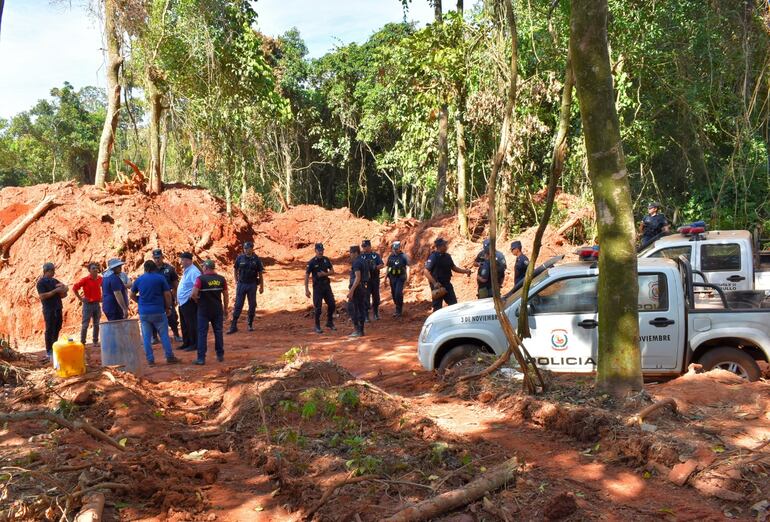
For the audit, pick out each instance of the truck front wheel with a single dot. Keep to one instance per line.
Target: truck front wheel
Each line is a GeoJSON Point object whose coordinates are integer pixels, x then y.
{"type": "Point", "coordinates": [733, 360]}
{"type": "Point", "coordinates": [457, 354]}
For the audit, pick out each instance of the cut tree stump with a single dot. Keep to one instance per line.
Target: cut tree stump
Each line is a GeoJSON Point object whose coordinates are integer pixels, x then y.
{"type": "Point", "coordinates": [10, 236]}
{"type": "Point", "coordinates": [433, 507]}
{"type": "Point", "coordinates": [93, 506]}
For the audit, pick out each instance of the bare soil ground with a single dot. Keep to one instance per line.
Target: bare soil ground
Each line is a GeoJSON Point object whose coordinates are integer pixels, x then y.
{"type": "Point", "coordinates": [265, 434]}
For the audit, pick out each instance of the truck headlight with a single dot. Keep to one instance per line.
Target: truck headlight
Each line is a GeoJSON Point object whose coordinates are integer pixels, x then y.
{"type": "Point", "coordinates": [426, 332]}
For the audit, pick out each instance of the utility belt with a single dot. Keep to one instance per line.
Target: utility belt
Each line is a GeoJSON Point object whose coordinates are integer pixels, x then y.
{"type": "Point", "coordinates": [396, 272]}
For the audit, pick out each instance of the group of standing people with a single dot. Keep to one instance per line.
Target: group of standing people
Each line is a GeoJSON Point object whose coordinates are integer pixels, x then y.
{"type": "Point", "coordinates": [198, 300]}
{"type": "Point", "coordinates": [363, 295]}
{"type": "Point", "coordinates": [200, 296]}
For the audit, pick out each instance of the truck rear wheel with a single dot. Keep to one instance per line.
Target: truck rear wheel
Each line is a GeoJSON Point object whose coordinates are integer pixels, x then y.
{"type": "Point", "coordinates": [733, 360]}
{"type": "Point", "coordinates": [457, 354]}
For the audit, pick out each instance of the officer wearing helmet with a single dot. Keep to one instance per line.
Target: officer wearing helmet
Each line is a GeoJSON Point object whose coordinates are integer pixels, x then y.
{"type": "Point", "coordinates": [653, 226]}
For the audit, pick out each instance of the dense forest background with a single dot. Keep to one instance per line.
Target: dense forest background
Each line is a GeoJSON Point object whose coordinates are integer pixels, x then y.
{"type": "Point", "coordinates": [406, 123]}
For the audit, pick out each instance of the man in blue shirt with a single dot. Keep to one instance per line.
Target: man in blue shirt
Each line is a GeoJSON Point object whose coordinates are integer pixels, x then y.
{"type": "Point", "coordinates": [359, 277]}
{"type": "Point", "coordinates": [114, 295]}
{"type": "Point", "coordinates": [153, 293]}
{"type": "Point", "coordinates": [188, 308]}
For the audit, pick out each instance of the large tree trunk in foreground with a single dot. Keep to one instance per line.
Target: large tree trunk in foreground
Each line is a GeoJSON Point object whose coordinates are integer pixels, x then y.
{"type": "Point", "coordinates": [443, 138]}
{"type": "Point", "coordinates": [462, 210]}
{"type": "Point", "coordinates": [114, 62]}
{"type": "Point", "coordinates": [155, 97]}
{"type": "Point", "coordinates": [619, 364]}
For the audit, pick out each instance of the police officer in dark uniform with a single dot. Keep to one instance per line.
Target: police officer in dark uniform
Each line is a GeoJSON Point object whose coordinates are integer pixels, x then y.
{"type": "Point", "coordinates": [210, 292]}
{"type": "Point", "coordinates": [172, 278]}
{"type": "Point", "coordinates": [653, 225]}
{"type": "Point", "coordinates": [249, 275]}
{"type": "Point", "coordinates": [522, 262]}
{"type": "Point", "coordinates": [484, 277]}
{"type": "Point", "coordinates": [499, 256]}
{"type": "Point", "coordinates": [375, 263]}
{"type": "Point", "coordinates": [438, 271]}
{"type": "Point", "coordinates": [398, 275]}
{"type": "Point", "coordinates": [320, 267]}
{"type": "Point", "coordinates": [357, 290]}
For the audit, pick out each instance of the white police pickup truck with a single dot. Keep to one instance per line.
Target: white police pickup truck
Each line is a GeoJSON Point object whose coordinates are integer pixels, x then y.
{"type": "Point", "coordinates": [728, 258]}
{"type": "Point", "coordinates": [730, 331]}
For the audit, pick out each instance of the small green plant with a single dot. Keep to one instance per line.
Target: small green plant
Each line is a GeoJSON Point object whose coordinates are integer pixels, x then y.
{"type": "Point", "coordinates": [364, 465]}
{"type": "Point", "coordinates": [349, 398]}
{"type": "Point", "coordinates": [438, 452]}
{"type": "Point", "coordinates": [309, 410]}
{"type": "Point", "coordinates": [288, 406]}
{"type": "Point", "coordinates": [293, 354]}
{"type": "Point", "coordinates": [66, 409]}
{"type": "Point", "coordinates": [289, 436]}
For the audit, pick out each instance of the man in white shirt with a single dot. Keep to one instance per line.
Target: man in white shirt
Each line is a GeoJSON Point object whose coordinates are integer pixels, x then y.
{"type": "Point", "coordinates": [188, 309]}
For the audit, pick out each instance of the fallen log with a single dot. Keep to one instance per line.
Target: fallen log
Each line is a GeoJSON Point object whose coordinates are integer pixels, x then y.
{"type": "Point", "coordinates": [61, 421]}
{"type": "Point", "coordinates": [11, 236]}
{"type": "Point", "coordinates": [433, 507]}
{"type": "Point", "coordinates": [569, 225]}
{"type": "Point", "coordinates": [93, 506]}
{"type": "Point", "coordinates": [646, 412]}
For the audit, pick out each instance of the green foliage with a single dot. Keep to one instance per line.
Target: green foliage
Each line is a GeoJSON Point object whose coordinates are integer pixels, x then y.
{"type": "Point", "coordinates": [293, 354]}
{"type": "Point", "coordinates": [349, 398]}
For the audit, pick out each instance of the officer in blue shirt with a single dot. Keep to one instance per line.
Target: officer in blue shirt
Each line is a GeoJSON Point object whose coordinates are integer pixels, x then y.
{"type": "Point", "coordinates": [320, 268]}
{"type": "Point", "coordinates": [522, 262]}
{"type": "Point", "coordinates": [249, 275]}
{"type": "Point", "coordinates": [438, 271]}
{"type": "Point", "coordinates": [357, 290]}
{"type": "Point", "coordinates": [375, 263]}
{"type": "Point", "coordinates": [398, 275]}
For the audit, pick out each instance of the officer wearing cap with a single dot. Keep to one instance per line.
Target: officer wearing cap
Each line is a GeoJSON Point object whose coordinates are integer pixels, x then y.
{"type": "Point", "coordinates": [357, 290]}
{"type": "Point", "coordinates": [522, 262]}
{"type": "Point", "coordinates": [398, 275]}
{"type": "Point", "coordinates": [50, 291]}
{"type": "Point", "coordinates": [249, 275]}
{"type": "Point", "coordinates": [172, 278]}
{"type": "Point", "coordinates": [653, 225]}
{"type": "Point", "coordinates": [438, 271]}
{"type": "Point", "coordinates": [374, 261]}
{"type": "Point", "coordinates": [320, 268]}
{"type": "Point", "coordinates": [210, 292]}
{"type": "Point", "coordinates": [114, 294]}
{"type": "Point", "coordinates": [483, 277]}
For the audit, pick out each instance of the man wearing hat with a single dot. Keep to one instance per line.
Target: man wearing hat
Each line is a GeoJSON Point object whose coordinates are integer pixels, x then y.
{"type": "Point", "coordinates": [153, 294]}
{"type": "Point", "coordinates": [374, 261]}
{"type": "Point", "coordinates": [91, 285]}
{"type": "Point", "coordinates": [172, 278]}
{"type": "Point", "coordinates": [521, 264]}
{"type": "Point", "coordinates": [114, 295]}
{"type": "Point", "coordinates": [357, 290]}
{"type": "Point", "coordinates": [398, 275]}
{"type": "Point", "coordinates": [188, 309]}
{"type": "Point", "coordinates": [50, 291]}
{"type": "Point", "coordinates": [653, 225]}
{"type": "Point", "coordinates": [210, 291]}
{"type": "Point", "coordinates": [320, 268]}
{"type": "Point", "coordinates": [481, 257]}
{"type": "Point", "coordinates": [438, 271]}
{"type": "Point", "coordinates": [249, 274]}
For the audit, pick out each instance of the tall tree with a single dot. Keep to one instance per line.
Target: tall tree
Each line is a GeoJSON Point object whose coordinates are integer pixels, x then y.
{"type": "Point", "coordinates": [114, 62]}
{"type": "Point", "coordinates": [462, 98]}
{"type": "Point", "coordinates": [619, 364]}
{"type": "Point", "coordinates": [443, 136]}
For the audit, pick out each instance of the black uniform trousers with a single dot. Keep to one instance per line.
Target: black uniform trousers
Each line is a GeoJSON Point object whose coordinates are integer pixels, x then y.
{"type": "Point", "coordinates": [188, 314]}
{"type": "Point", "coordinates": [53, 322]}
{"type": "Point", "coordinates": [373, 295]}
{"type": "Point", "coordinates": [322, 291]}
{"type": "Point", "coordinates": [357, 307]}
{"type": "Point", "coordinates": [450, 298]}
{"type": "Point", "coordinates": [243, 292]}
{"type": "Point", "coordinates": [397, 292]}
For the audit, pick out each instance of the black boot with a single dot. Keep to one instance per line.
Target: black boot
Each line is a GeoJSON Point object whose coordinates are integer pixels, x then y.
{"type": "Point", "coordinates": [233, 328]}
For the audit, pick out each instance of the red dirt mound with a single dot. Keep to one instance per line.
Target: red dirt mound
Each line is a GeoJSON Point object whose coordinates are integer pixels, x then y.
{"type": "Point", "coordinates": [88, 224]}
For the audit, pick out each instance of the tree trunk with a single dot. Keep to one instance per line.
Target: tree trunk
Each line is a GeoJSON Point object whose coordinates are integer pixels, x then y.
{"type": "Point", "coordinates": [619, 365]}
{"type": "Point", "coordinates": [114, 62]}
{"type": "Point", "coordinates": [163, 144]}
{"type": "Point", "coordinates": [443, 138]}
{"type": "Point", "coordinates": [288, 171]}
{"type": "Point", "coordinates": [462, 176]}
{"type": "Point", "coordinates": [156, 113]}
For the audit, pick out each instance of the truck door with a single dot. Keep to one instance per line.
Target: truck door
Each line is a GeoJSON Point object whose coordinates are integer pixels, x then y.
{"type": "Point", "coordinates": [563, 323]}
{"type": "Point", "coordinates": [723, 265]}
{"type": "Point", "coordinates": [659, 323]}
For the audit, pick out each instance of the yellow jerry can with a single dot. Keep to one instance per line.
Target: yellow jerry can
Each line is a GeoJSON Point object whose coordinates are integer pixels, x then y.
{"type": "Point", "coordinates": [69, 358]}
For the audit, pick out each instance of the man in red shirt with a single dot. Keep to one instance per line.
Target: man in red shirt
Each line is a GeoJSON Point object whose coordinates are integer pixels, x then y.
{"type": "Point", "coordinates": [91, 299]}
